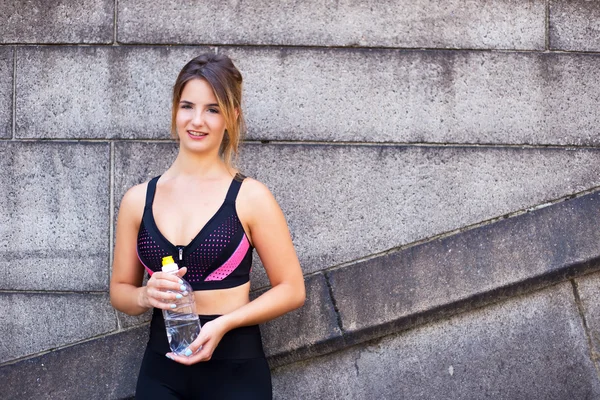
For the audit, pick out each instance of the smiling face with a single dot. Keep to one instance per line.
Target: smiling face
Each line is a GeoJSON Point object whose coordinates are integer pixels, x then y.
{"type": "Point", "coordinates": [200, 122]}
{"type": "Point", "coordinates": [215, 80]}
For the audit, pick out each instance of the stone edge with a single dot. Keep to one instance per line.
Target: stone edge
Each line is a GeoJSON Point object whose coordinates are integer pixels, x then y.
{"type": "Point", "coordinates": [501, 292]}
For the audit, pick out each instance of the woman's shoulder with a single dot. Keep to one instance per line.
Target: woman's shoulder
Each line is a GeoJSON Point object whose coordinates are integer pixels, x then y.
{"type": "Point", "coordinates": [254, 190]}
{"type": "Point", "coordinates": [255, 200]}
{"type": "Point", "coordinates": [134, 199]}
{"type": "Point", "coordinates": [136, 192]}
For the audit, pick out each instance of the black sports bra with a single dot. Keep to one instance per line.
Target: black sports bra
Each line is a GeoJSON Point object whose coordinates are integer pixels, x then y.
{"type": "Point", "coordinates": [219, 257]}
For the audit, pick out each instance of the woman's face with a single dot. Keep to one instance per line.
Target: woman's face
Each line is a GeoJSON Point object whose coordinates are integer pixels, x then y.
{"type": "Point", "coordinates": [200, 123]}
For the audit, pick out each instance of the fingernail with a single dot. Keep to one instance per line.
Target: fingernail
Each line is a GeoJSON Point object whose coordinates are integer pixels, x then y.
{"type": "Point", "coordinates": [180, 282]}
{"type": "Point", "coordinates": [169, 357]}
{"type": "Point", "coordinates": [178, 296]}
{"type": "Point", "coordinates": [187, 352]}
{"type": "Point", "coordinates": [173, 305]}
{"type": "Point", "coordinates": [182, 287]}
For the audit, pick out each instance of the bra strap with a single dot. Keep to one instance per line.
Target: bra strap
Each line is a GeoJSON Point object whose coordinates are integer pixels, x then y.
{"type": "Point", "coordinates": [150, 191]}
{"type": "Point", "coordinates": [234, 188]}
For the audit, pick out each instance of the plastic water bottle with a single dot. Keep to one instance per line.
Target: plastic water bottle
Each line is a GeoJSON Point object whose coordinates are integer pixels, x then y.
{"type": "Point", "coordinates": [182, 323]}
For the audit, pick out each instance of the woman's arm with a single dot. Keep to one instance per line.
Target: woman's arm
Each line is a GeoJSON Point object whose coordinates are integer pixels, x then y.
{"type": "Point", "coordinates": [269, 233]}
{"type": "Point", "coordinates": [126, 291]}
{"type": "Point", "coordinates": [270, 236]}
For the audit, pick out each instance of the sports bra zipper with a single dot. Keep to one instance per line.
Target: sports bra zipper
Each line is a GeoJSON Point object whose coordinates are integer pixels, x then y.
{"type": "Point", "coordinates": [180, 254]}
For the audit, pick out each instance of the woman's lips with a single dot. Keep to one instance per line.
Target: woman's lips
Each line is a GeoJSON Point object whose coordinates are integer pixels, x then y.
{"type": "Point", "coordinates": [196, 134]}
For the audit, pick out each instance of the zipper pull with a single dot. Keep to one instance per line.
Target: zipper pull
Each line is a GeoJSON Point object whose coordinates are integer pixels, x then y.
{"type": "Point", "coordinates": [180, 254]}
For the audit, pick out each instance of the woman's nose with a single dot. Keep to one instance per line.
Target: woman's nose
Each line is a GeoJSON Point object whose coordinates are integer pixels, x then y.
{"type": "Point", "coordinates": [197, 119]}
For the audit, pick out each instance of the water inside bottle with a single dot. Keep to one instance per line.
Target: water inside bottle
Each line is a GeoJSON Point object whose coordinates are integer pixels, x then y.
{"type": "Point", "coordinates": [181, 332]}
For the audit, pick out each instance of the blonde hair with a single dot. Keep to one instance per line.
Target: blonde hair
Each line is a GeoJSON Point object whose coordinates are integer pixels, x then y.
{"type": "Point", "coordinates": [226, 82]}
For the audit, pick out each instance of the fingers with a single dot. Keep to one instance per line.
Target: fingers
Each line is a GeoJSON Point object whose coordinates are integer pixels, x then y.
{"type": "Point", "coordinates": [199, 350]}
{"type": "Point", "coordinates": [203, 355]}
{"type": "Point", "coordinates": [164, 290]}
{"type": "Point", "coordinates": [165, 281]}
{"type": "Point", "coordinates": [200, 344]}
{"type": "Point", "coordinates": [161, 299]}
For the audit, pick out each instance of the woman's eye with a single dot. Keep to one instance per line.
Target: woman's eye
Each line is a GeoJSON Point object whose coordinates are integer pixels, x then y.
{"type": "Point", "coordinates": [213, 110]}
{"type": "Point", "coordinates": [186, 106]}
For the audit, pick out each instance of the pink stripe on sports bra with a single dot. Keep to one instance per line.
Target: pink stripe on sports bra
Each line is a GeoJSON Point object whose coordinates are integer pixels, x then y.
{"type": "Point", "coordinates": [150, 272]}
{"type": "Point", "coordinates": [232, 263]}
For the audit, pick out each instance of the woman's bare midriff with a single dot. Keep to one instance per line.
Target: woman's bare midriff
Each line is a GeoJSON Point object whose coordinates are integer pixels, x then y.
{"type": "Point", "coordinates": [222, 301]}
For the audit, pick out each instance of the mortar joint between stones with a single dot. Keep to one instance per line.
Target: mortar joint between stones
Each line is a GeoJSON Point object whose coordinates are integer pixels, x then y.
{"type": "Point", "coordinates": [581, 310]}
{"type": "Point", "coordinates": [115, 22]}
{"type": "Point", "coordinates": [14, 95]}
{"type": "Point", "coordinates": [111, 218]}
{"type": "Point", "coordinates": [547, 27]}
{"type": "Point", "coordinates": [334, 302]}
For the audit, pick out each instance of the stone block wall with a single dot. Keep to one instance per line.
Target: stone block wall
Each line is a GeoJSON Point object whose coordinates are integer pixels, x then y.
{"type": "Point", "coordinates": [438, 163]}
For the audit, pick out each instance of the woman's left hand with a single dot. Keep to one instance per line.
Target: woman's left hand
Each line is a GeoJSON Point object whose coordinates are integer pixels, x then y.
{"type": "Point", "coordinates": [210, 335]}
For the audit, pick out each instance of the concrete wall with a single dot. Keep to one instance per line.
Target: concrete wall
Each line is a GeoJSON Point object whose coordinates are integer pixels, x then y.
{"type": "Point", "coordinates": [438, 163]}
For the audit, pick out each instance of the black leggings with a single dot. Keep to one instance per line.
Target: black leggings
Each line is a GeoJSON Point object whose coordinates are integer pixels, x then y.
{"type": "Point", "coordinates": [237, 369]}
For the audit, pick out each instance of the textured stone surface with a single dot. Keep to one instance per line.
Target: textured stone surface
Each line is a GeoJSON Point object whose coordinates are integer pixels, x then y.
{"type": "Point", "coordinates": [6, 91]}
{"type": "Point", "coordinates": [420, 96]}
{"type": "Point", "coordinates": [62, 21]}
{"type": "Point", "coordinates": [37, 321]}
{"type": "Point", "coordinates": [54, 216]}
{"type": "Point", "coordinates": [97, 92]}
{"type": "Point", "coordinates": [529, 347]}
{"type": "Point", "coordinates": [321, 94]}
{"type": "Point", "coordinates": [588, 288]}
{"type": "Point", "coordinates": [346, 202]}
{"type": "Point", "coordinates": [517, 251]}
{"type": "Point", "coordinates": [137, 162]}
{"type": "Point", "coordinates": [300, 332]}
{"type": "Point", "coordinates": [105, 368]}
{"type": "Point", "coordinates": [575, 25]}
{"type": "Point", "coordinates": [508, 24]}
{"type": "Point", "coordinates": [129, 321]}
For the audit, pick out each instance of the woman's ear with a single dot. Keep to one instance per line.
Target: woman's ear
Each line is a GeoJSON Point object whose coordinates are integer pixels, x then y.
{"type": "Point", "coordinates": [237, 113]}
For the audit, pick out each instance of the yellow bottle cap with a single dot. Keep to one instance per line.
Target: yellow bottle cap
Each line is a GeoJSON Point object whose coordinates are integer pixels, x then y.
{"type": "Point", "coordinates": [168, 260]}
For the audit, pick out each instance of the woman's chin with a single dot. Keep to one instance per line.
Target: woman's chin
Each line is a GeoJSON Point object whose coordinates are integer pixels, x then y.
{"type": "Point", "coordinates": [198, 147]}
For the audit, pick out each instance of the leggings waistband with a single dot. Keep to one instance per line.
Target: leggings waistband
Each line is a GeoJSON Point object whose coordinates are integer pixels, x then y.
{"type": "Point", "coordinates": [237, 344]}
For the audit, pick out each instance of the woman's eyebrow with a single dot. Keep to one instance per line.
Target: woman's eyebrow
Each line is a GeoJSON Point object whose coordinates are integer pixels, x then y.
{"type": "Point", "coordinates": [190, 103]}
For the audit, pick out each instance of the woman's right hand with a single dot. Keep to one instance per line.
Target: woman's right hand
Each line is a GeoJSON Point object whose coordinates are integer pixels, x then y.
{"type": "Point", "coordinates": [163, 290]}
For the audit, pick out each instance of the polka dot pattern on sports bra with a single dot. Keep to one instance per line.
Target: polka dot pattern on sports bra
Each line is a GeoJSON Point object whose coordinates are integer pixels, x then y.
{"type": "Point", "coordinates": [200, 260]}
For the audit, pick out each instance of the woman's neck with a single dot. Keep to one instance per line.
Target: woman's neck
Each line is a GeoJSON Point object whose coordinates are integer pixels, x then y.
{"type": "Point", "coordinates": [208, 166]}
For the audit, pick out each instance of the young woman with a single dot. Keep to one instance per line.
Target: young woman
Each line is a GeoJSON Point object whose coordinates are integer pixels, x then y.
{"type": "Point", "coordinates": [209, 218]}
